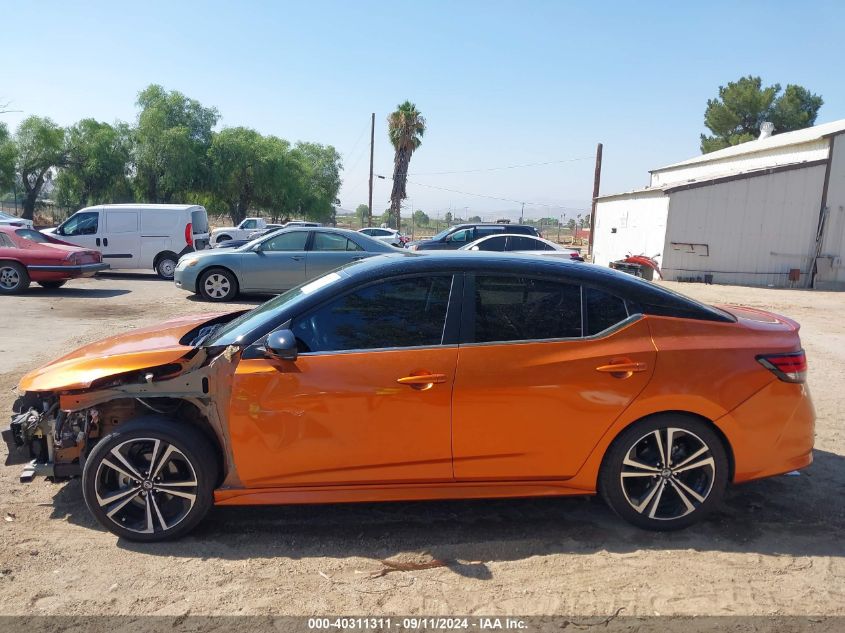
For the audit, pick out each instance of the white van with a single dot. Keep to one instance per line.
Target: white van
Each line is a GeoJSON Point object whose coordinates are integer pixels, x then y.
{"type": "Point", "coordinates": [138, 235]}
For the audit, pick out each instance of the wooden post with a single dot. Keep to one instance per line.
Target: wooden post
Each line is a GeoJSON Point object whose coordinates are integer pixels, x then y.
{"type": "Point", "coordinates": [596, 184]}
{"type": "Point", "coordinates": [372, 140]}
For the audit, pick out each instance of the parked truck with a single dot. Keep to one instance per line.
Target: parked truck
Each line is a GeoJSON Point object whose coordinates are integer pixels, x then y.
{"type": "Point", "coordinates": [242, 231]}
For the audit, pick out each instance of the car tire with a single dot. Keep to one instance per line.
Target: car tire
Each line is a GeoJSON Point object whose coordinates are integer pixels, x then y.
{"type": "Point", "coordinates": [222, 238]}
{"type": "Point", "coordinates": [13, 278]}
{"type": "Point", "coordinates": [151, 479]}
{"type": "Point", "coordinates": [166, 265]}
{"type": "Point", "coordinates": [218, 284]}
{"type": "Point", "coordinates": [52, 285]}
{"type": "Point", "coordinates": [646, 489]}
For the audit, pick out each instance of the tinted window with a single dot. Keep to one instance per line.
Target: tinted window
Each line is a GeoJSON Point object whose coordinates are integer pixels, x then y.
{"type": "Point", "coordinates": [32, 235]}
{"type": "Point", "coordinates": [396, 313]}
{"type": "Point", "coordinates": [526, 244]}
{"type": "Point", "coordinates": [249, 224]}
{"type": "Point", "coordinates": [333, 242]}
{"type": "Point", "coordinates": [521, 308]}
{"type": "Point", "coordinates": [293, 241]}
{"type": "Point", "coordinates": [368, 231]}
{"type": "Point", "coordinates": [493, 244]}
{"type": "Point", "coordinates": [464, 235]}
{"type": "Point", "coordinates": [199, 221]}
{"type": "Point", "coordinates": [484, 231]}
{"type": "Point", "coordinates": [603, 310]}
{"type": "Point", "coordinates": [82, 224]}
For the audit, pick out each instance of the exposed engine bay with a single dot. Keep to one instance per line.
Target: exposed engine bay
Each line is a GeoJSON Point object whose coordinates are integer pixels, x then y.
{"type": "Point", "coordinates": [52, 433]}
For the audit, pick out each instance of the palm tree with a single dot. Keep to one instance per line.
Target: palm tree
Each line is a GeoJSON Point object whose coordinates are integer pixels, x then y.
{"type": "Point", "coordinates": [405, 127]}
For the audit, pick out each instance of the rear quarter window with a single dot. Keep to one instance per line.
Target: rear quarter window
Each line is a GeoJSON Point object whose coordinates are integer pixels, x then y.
{"type": "Point", "coordinates": [603, 310]}
{"type": "Point", "coordinates": [199, 221]}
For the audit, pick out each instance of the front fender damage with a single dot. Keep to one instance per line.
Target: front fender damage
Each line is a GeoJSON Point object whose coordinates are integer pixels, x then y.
{"type": "Point", "coordinates": [205, 382]}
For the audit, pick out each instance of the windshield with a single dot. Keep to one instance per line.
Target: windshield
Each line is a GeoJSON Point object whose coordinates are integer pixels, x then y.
{"type": "Point", "coordinates": [442, 234]}
{"type": "Point", "coordinates": [233, 332]}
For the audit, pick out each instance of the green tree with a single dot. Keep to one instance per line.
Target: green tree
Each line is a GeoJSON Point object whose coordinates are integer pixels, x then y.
{"type": "Point", "coordinates": [735, 116]}
{"type": "Point", "coordinates": [421, 218]}
{"type": "Point", "coordinates": [8, 153]}
{"type": "Point", "coordinates": [172, 139]}
{"type": "Point", "coordinates": [405, 127]}
{"type": "Point", "coordinates": [321, 166]}
{"type": "Point", "coordinates": [40, 149]}
{"type": "Point", "coordinates": [571, 224]}
{"type": "Point", "coordinates": [362, 213]}
{"type": "Point", "coordinates": [475, 218]}
{"type": "Point", "coordinates": [448, 217]}
{"type": "Point", "coordinates": [96, 162]}
{"type": "Point", "coordinates": [235, 165]}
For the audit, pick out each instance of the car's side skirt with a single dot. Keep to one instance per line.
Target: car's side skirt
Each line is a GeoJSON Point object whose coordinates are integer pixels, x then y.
{"type": "Point", "coordinates": [395, 492]}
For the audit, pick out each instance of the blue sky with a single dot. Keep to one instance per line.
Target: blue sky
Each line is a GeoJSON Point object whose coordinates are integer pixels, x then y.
{"type": "Point", "coordinates": [500, 83]}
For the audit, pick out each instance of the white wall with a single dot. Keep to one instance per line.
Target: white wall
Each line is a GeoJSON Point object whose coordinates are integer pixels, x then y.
{"type": "Point", "coordinates": [755, 229]}
{"type": "Point", "coordinates": [832, 275]}
{"type": "Point", "coordinates": [639, 220]}
{"type": "Point", "coordinates": [804, 152]}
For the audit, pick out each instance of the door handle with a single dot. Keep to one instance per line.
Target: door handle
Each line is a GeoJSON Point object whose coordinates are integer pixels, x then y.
{"type": "Point", "coordinates": [622, 368]}
{"type": "Point", "coordinates": [98, 241]}
{"type": "Point", "coordinates": [422, 382]}
{"type": "Point", "coordinates": [105, 241]}
{"type": "Point", "coordinates": [296, 258]}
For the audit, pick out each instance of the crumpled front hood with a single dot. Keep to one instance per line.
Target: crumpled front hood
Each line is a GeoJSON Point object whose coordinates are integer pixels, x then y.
{"type": "Point", "coordinates": [139, 349]}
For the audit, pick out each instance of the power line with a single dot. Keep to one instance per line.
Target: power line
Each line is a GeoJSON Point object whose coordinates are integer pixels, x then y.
{"type": "Point", "coordinates": [484, 169]}
{"type": "Point", "coordinates": [481, 195]}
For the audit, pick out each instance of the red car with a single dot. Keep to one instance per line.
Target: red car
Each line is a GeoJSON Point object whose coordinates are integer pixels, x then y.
{"type": "Point", "coordinates": [27, 255]}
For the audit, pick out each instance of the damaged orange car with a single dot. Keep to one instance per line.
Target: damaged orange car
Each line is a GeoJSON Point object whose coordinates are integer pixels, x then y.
{"type": "Point", "coordinates": [426, 377]}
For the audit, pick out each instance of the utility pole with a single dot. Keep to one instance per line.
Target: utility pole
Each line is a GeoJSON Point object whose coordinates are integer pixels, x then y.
{"type": "Point", "coordinates": [372, 141]}
{"type": "Point", "coordinates": [596, 184]}
{"type": "Point", "coordinates": [522, 213]}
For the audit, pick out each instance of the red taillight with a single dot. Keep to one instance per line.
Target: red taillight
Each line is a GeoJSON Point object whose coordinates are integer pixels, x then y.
{"type": "Point", "coordinates": [791, 367]}
{"type": "Point", "coordinates": [189, 234]}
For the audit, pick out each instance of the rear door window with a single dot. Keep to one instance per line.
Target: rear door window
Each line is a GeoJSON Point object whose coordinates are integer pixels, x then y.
{"type": "Point", "coordinates": [407, 312]}
{"type": "Point", "coordinates": [463, 236]}
{"type": "Point", "coordinates": [199, 221]}
{"type": "Point", "coordinates": [484, 231]}
{"type": "Point", "coordinates": [525, 309]}
{"type": "Point", "coordinates": [517, 243]}
{"type": "Point", "coordinates": [603, 310]}
{"type": "Point", "coordinates": [333, 242]}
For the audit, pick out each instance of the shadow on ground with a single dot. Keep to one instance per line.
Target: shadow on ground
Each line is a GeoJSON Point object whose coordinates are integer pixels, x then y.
{"type": "Point", "coordinates": [798, 516]}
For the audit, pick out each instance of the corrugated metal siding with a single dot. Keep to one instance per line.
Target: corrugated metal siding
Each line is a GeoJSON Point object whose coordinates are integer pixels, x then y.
{"type": "Point", "coordinates": [806, 152]}
{"type": "Point", "coordinates": [833, 246]}
{"type": "Point", "coordinates": [755, 229]}
{"type": "Point", "coordinates": [640, 223]}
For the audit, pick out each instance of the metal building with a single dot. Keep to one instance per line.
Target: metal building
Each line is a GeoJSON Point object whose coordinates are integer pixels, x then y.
{"type": "Point", "coordinates": [769, 212]}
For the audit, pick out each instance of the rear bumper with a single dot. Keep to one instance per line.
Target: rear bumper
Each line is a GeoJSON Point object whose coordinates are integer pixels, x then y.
{"type": "Point", "coordinates": [772, 432]}
{"type": "Point", "coordinates": [83, 270]}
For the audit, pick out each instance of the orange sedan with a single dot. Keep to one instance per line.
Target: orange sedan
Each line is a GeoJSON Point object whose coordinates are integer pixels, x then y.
{"type": "Point", "coordinates": [426, 377]}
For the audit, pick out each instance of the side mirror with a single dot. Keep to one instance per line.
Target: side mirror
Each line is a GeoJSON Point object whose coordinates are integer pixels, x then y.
{"type": "Point", "coordinates": [281, 345]}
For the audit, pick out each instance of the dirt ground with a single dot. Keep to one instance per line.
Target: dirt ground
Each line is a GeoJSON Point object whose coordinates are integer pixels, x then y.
{"type": "Point", "coordinates": [775, 548]}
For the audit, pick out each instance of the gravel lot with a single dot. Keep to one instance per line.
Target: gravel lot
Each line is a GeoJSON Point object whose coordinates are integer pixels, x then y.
{"type": "Point", "coordinates": [776, 547]}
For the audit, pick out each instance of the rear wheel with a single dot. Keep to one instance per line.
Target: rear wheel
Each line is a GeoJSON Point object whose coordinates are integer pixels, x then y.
{"type": "Point", "coordinates": [13, 278]}
{"type": "Point", "coordinates": [218, 284]}
{"type": "Point", "coordinates": [166, 265]}
{"type": "Point", "coordinates": [52, 285]}
{"type": "Point", "coordinates": [152, 479]}
{"type": "Point", "coordinates": [665, 472]}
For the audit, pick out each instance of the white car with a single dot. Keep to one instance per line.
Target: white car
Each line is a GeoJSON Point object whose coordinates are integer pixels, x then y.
{"type": "Point", "coordinates": [11, 220]}
{"type": "Point", "coordinates": [388, 236]}
{"type": "Point", "coordinates": [524, 244]}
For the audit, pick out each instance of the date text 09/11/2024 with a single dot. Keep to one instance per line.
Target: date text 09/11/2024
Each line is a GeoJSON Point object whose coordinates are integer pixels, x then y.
{"type": "Point", "coordinates": [417, 623]}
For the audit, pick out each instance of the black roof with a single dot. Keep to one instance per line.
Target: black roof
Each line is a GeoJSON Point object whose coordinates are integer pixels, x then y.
{"type": "Point", "coordinates": [646, 296]}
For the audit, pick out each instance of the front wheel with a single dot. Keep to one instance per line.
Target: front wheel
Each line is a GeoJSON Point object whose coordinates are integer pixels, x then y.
{"type": "Point", "coordinates": [151, 479]}
{"type": "Point", "coordinates": [218, 284]}
{"type": "Point", "coordinates": [665, 472]}
{"type": "Point", "coordinates": [13, 278]}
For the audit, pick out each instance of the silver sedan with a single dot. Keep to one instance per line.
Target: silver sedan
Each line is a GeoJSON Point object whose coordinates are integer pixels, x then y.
{"type": "Point", "coordinates": [273, 263]}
